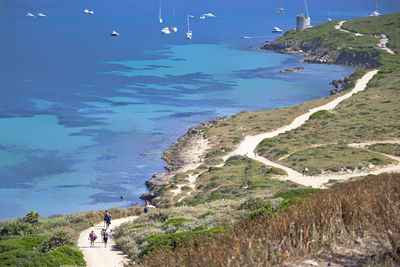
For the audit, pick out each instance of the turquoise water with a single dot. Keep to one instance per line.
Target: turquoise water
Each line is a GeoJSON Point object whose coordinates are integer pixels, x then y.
{"type": "Point", "coordinates": [77, 107]}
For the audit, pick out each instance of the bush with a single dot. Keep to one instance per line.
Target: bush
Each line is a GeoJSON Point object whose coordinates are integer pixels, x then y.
{"type": "Point", "coordinates": [176, 222]}
{"type": "Point", "coordinates": [322, 114]}
{"type": "Point", "coordinates": [252, 204]}
{"type": "Point", "coordinates": [298, 193]}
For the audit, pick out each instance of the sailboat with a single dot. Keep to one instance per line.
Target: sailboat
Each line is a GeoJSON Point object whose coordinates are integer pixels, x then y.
{"type": "Point", "coordinates": [276, 30]}
{"type": "Point", "coordinates": [174, 28]}
{"type": "Point", "coordinates": [329, 15]}
{"type": "Point", "coordinates": [114, 33]}
{"type": "Point", "coordinates": [281, 10]}
{"type": "Point", "coordinates": [375, 13]}
{"type": "Point", "coordinates": [165, 30]}
{"type": "Point", "coordinates": [159, 14]}
{"type": "Point", "coordinates": [189, 32]}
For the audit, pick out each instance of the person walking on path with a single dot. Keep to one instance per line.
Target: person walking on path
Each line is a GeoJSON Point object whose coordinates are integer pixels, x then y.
{"type": "Point", "coordinates": [105, 238]}
{"type": "Point", "coordinates": [92, 238]}
{"type": "Point", "coordinates": [111, 236]}
{"type": "Point", "coordinates": [108, 220]}
{"type": "Point", "coordinates": [242, 135]}
{"type": "Point", "coordinates": [305, 171]}
{"type": "Point", "coordinates": [105, 218]}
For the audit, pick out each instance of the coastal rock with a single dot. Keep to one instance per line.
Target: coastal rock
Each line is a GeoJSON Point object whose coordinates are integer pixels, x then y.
{"type": "Point", "coordinates": [319, 55]}
{"type": "Point", "coordinates": [180, 157]}
{"type": "Point", "coordinates": [292, 70]}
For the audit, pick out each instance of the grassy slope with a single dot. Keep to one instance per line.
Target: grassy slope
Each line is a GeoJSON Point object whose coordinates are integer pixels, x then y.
{"type": "Point", "coordinates": [323, 225]}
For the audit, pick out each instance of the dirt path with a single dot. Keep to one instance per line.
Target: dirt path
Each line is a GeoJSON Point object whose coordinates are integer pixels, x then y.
{"type": "Point", "coordinates": [379, 45]}
{"type": "Point", "coordinates": [248, 145]}
{"type": "Point", "coordinates": [99, 255]}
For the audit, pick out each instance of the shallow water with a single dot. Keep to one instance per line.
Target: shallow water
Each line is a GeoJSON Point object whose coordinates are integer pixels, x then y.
{"type": "Point", "coordinates": [78, 106]}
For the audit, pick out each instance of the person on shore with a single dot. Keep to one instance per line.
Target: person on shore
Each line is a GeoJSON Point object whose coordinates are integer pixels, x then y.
{"type": "Point", "coordinates": [108, 221]}
{"type": "Point", "coordinates": [255, 155]}
{"type": "Point", "coordinates": [146, 209]}
{"type": "Point", "coordinates": [92, 238]}
{"type": "Point", "coordinates": [242, 135]}
{"type": "Point", "coordinates": [105, 218]}
{"type": "Point", "coordinates": [105, 238]}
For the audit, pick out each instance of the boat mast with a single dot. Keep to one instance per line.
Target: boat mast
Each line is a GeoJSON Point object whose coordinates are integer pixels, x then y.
{"type": "Point", "coordinates": [306, 8]}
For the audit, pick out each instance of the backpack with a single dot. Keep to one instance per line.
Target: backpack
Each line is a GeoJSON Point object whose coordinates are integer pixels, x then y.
{"type": "Point", "coordinates": [94, 236]}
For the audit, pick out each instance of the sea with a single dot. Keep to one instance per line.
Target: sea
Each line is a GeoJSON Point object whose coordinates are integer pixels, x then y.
{"type": "Point", "coordinates": [78, 106]}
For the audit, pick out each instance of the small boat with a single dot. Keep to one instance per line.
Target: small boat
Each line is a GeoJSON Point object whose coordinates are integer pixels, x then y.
{"type": "Point", "coordinates": [202, 17]}
{"type": "Point", "coordinates": [165, 30]}
{"type": "Point", "coordinates": [189, 32]}
{"type": "Point", "coordinates": [29, 14]}
{"type": "Point", "coordinates": [114, 33]}
{"type": "Point", "coordinates": [245, 37]}
{"type": "Point", "coordinates": [329, 16]}
{"type": "Point", "coordinates": [88, 12]}
{"type": "Point", "coordinates": [159, 14]}
{"type": "Point", "coordinates": [277, 30]}
{"type": "Point", "coordinates": [375, 13]}
{"type": "Point", "coordinates": [174, 28]}
{"type": "Point", "coordinates": [210, 15]}
{"type": "Point", "coordinates": [281, 10]}
{"type": "Point", "coordinates": [41, 15]}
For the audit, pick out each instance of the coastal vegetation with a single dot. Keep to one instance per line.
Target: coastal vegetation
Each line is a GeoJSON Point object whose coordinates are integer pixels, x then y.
{"type": "Point", "coordinates": [35, 241]}
{"type": "Point", "coordinates": [329, 226]}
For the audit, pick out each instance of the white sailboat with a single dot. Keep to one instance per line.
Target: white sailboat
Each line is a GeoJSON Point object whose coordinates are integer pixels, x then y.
{"type": "Point", "coordinates": [189, 32]}
{"type": "Point", "coordinates": [114, 33]}
{"type": "Point", "coordinates": [159, 14]}
{"type": "Point", "coordinates": [281, 10]}
{"type": "Point", "coordinates": [41, 15]}
{"type": "Point", "coordinates": [165, 30]}
{"type": "Point", "coordinates": [88, 12]}
{"type": "Point", "coordinates": [375, 13]}
{"type": "Point", "coordinates": [210, 15]}
{"type": "Point", "coordinates": [29, 14]}
{"type": "Point", "coordinates": [329, 15]}
{"type": "Point", "coordinates": [277, 30]}
{"type": "Point", "coordinates": [174, 28]}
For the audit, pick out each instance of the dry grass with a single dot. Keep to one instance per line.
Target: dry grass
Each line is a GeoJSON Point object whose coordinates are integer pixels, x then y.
{"type": "Point", "coordinates": [368, 208]}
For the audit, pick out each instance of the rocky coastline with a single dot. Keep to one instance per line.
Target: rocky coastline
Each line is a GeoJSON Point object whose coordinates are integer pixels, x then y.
{"type": "Point", "coordinates": [185, 154]}
{"type": "Point", "coordinates": [319, 55]}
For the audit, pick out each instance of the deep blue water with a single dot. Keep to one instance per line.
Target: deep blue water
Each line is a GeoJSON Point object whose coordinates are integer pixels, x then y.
{"type": "Point", "coordinates": [77, 106]}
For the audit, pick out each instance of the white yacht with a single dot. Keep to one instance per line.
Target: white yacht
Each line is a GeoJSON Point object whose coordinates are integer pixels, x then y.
{"type": "Point", "coordinates": [210, 15]}
{"type": "Point", "coordinates": [165, 30]}
{"type": "Point", "coordinates": [114, 33]}
{"type": "Point", "coordinates": [329, 16]}
{"type": "Point", "coordinates": [159, 14]}
{"type": "Point", "coordinates": [88, 12]}
{"type": "Point", "coordinates": [174, 28]}
{"type": "Point", "coordinates": [277, 30]}
{"type": "Point", "coordinates": [245, 37]}
{"type": "Point", "coordinates": [189, 32]}
{"type": "Point", "coordinates": [41, 15]}
{"type": "Point", "coordinates": [29, 14]}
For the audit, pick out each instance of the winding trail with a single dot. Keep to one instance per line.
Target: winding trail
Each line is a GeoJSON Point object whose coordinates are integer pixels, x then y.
{"type": "Point", "coordinates": [248, 145]}
{"type": "Point", "coordinates": [382, 41]}
{"type": "Point", "coordinates": [100, 256]}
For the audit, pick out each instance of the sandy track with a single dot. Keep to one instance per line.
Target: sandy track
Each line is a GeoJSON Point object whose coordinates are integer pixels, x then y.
{"type": "Point", "coordinates": [99, 255]}
{"type": "Point", "coordinates": [248, 145]}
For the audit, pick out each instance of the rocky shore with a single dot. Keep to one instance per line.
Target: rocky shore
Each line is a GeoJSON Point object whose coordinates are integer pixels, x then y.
{"type": "Point", "coordinates": [320, 55]}
{"type": "Point", "coordinates": [185, 154]}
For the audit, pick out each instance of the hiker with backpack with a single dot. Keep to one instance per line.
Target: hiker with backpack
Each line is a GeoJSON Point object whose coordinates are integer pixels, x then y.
{"type": "Point", "coordinates": [108, 220]}
{"type": "Point", "coordinates": [92, 238]}
{"type": "Point", "coordinates": [105, 238]}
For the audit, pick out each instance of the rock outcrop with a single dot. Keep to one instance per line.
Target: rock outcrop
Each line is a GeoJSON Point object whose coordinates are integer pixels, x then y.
{"type": "Point", "coordinates": [183, 155]}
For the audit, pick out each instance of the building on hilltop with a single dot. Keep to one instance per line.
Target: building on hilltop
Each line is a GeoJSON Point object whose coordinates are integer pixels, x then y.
{"type": "Point", "coordinates": [303, 22]}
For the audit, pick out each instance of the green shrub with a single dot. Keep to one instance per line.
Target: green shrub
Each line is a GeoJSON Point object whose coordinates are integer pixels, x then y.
{"type": "Point", "coordinates": [206, 214]}
{"type": "Point", "coordinates": [252, 204]}
{"type": "Point", "coordinates": [322, 114]}
{"type": "Point", "coordinates": [176, 222]}
{"type": "Point", "coordinates": [170, 241]}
